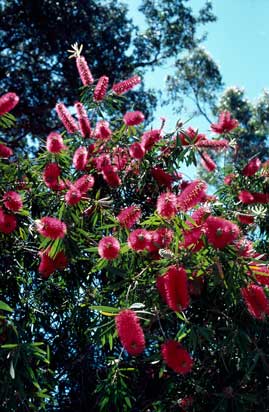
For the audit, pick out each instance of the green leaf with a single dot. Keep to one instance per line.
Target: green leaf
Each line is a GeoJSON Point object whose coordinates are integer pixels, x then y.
{"type": "Point", "coordinates": [108, 309]}
{"type": "Point", "coordinates": [4, 306]}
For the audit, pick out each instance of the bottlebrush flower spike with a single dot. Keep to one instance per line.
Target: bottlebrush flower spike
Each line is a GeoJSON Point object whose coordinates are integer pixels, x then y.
{"type": "Point", "coordinates": [5, 152]}
{"type": "Point", "coordinates": [102, 130]}
{"type": "Point", "coordinates": [84, 71]}
{"type": "Point", "coordinates": [139, 239]}
{"type": "Point", "coordinates": [130, 332]}
{"type": "Point", "coordinates": [49, 265]}
{"type": "Point", "coordinates": [176, 357]}
{"type": "Point", "coordinates": [167, 205]}
{"type": "Point", "coordinates": [55, 143]}
{"type": "Point", "coordinates": [133, 118]}
{"type": "Point", "coordinates": [51, 227]}
{"type": "Point", "coordinates": [256, 301]}
{"type": "Point", "coordinates": [84, 183]}
{"type": "Point", "coordinates": [13, 201]}
{"type": "Point", "coordinates": [129, 216]}
{"type": "Point", "coordinates": [208, 163]}
{"type": "Point", "coordinates": [8, 223]}
{"type": "Point", "coordinates": [80, 158]}
{"type": "Point", "coordinates": [66, 118]}
{"type": "Point", "coordinates": [149, 139]}
{"type": "Point", "coordinates": [191, 136]}
{"type": "Point", "coordinates": [225, 124]}
{"type": "Point", "coordinates": [213, 144]}
{"type": "Point", "coordinates": [7, 102]}
{"type": "Point", "coordinates": [221, 232]}
{"type": "Point", "coordinates": [126, 85]}
{"type": "Point", "coordinates": [246, 197]}
{"type": "Point", "coordinates": [73, 196]}
{"type": "Point", "coordinates": [191, 195]}
{"type": "Point", "coordinates": [109, 247]}
{"type": "Point", "coordinates": [110, 176]}
{"type": "Point", "coordinates": [137, 151]}
{"type": "Point", "coordinates": [160, 239]}
{"type": "Point", "coordinates": [252, 167]}
{"type": "Point", "coordinates": [176, 288]}
{"type": "Point", "coordinates": [51, 175]}
{"type": "Point", "coordinates": [162, 178]}
{"type": "Point", "coordinates": [100, 89]}
{"type": "Point", "coordinates": [120, 157]}
{"type": "Point", "coordinates": [84, 123]}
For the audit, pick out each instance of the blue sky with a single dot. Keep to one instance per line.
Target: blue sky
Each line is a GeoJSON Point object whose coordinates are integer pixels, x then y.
{"type": "Point", "coordinates": [238, 42]}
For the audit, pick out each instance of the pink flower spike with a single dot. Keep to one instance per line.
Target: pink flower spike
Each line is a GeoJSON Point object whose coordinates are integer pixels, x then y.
{"type": "Point", "coordinates": [80, 158]}
{"type": "Point", "coordinates": [7, 102]}
{"type": "Point", "coordinates": [176, 357]}
{"type": "Point", "coordinates": [208, 163]}
{"type": "Point", "coordinates": [139, 239]}
{"type": "Point", "coordinates": [13, 201]}
{"type": "Point", "coordinates": [126, 85]}
{"type": "Point", "coordinates": [225, 124]}
{"type": "Point", "coordinates": [137, 151]}
{"type": "Point", "coordinates": [100, 89]}
{"type": "Point", "coordinates": [102, 130]}
{"type": "Point", "coordinates": [55, 143]}
{"type": "Point", "coordinates": [252, 167]}
{"type": "Point", "coordinates": [191, 195]}
{"type": "Point", "coordinates": [84, 71]}
{"type": "Point", "coordinates": [109, 248]}
{"type": "Point", "coordinates": [66, 118]}
{"type": "Point", "coordinates": [167, 205]}
{"type": "Point", "coordinates": [51, 227]}
{"type": "Point", "coordinates": [130, 332]}
{"type": "Point", "coordinates": [5, 152]}
{"type": "Point", "coordinates": [133, 118]}
{"type": "Point", "coordinates": [256, 301]}
{"type": "Point", "coordinates": [84, 123]}
{"type": "Point", "coordinates": [129, 216]}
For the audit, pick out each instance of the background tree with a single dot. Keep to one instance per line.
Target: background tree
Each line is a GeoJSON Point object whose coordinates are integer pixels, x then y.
{"type": "Point", "coordinates": [35, 36]}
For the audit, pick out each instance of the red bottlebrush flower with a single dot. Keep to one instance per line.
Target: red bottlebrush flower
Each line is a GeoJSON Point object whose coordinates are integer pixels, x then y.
{"type": "Point", "coordinates": [7, 102]}
{"type": "Point", "coordinates": [261, 197]}
{"type": "Point", "coordinates": [252, 167]}
{"type": "Point", "coordinates": [49, 265]}
{"type": "Point", "coordinates": [126, 85]}
{"type": "Point", "coordinates": [193, 238]}
{"type": "Point", "coordinates": [129, 216]}
{"type": "Point", "coordinates": [161, 287]}
{"type": "Point", "coordinates": [100, 89]}
{"type": "Point", "coordinates": [246, 197]}
{"type": "Point", "coordinates": [84, 123]}
{"type": "Point", "coordinates": [191, 195]}
{"type": "Point", "coordinates": [55, 143]}
{"type": "Point", "coordinates": [160, 239]}
{"type": "Point", "coordinates": [260, 271]}
{"type": "Point", "coordinates": [186, 402]}
{"type": "Point", "coordinates": [213, 144]}
{"type": "Point", "coordinates": [167, 205]}
{"type": "Point", "coordinates": [51, 173]}
{"type": "Point", "coordinates": [13, 201]}
{"type": "Point", "coordinates": [229, 178]}
{"type": "Point", "coordinates": [208, 163]}
{"type": "Point", "coordinates": [221, 232]}
{"type": "Point", "coordinates": [84, 71]}
{"type": "Point", "coordinates": [130, 332]}
{"type": "Point", "coordinates": [176, 288]}
{"type": "Point", "coordinates": [102, 161]}
{"type": "Point", "coordinates": [51, 227]}
{"type": "Point", "coordinates": [256, 301]}
{"type": "Point", "coordinates": [73, 196]}
{"type": "Point", "coordinates": [191, 136]}
{"type": "Point", "coordinates": [5, 152]}
{"type": "Point", "coordinates": [162, 178]}
{"type": "Point", "coordinates": [139, 239]}
{"type": "Point", "coordinates": [133, 118]}
{"type": "Point", "coordinates": [8, 223]}
{"type": "Point", "coordinates": [225, 124]}
{"type": "Point", "coordinates": [110, 176]}
{"type": "Point", "coordinates": [200, 215]}
{"type": "Point", "coordinates": [120, 158]}
{"type": "Point", "coordinates": [66, 118]}
{"type": "Point", "coordinates": [109, 247]}
{"type": "Point", "coordinates": [176, 357]}
{"type": "Point", "coordinates": [84, 183]}
{"type": "Point", "coordinates": [245, 219]}
{"type": "Point", "coordinates": [137, 151]}
{"type": "Point", "coordinates": [80, 158]}
{"type": "Point", "coordinates": [102, 130]}
{"type": "Point", "coordinates": [149, 139]}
